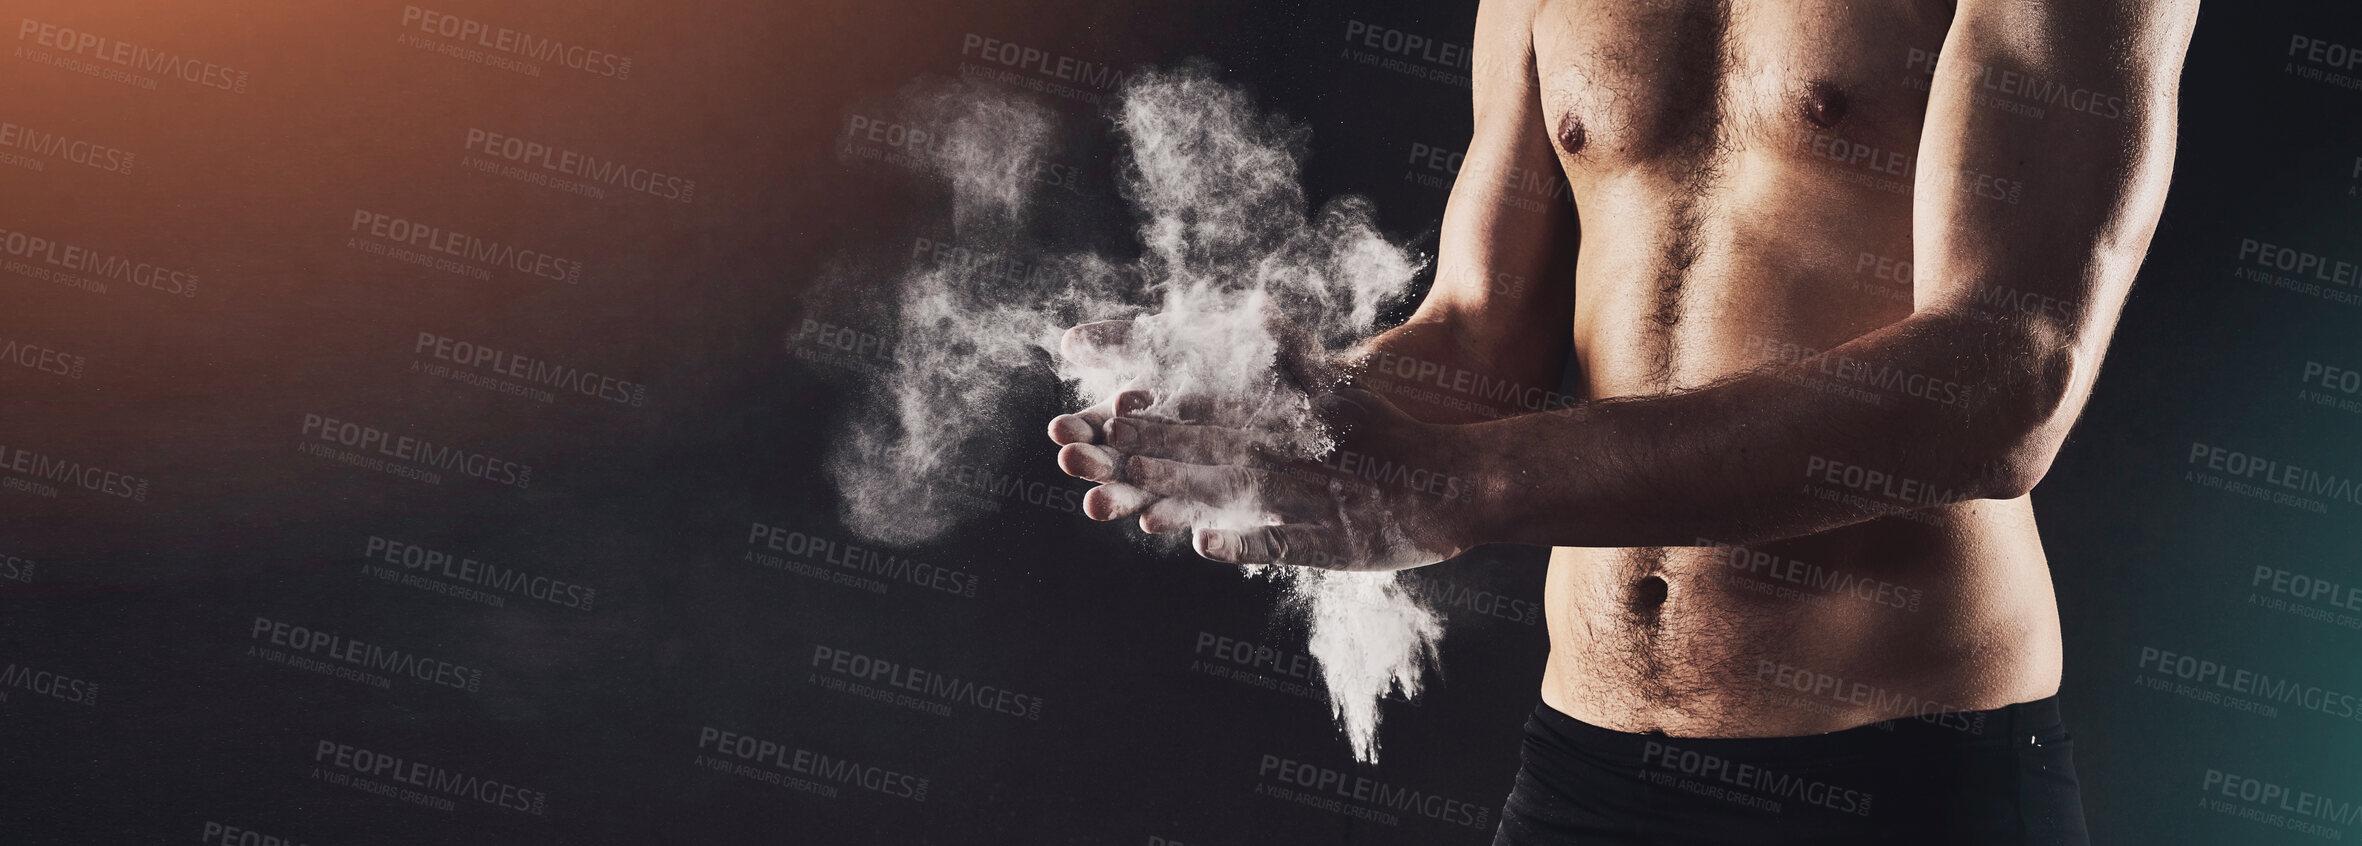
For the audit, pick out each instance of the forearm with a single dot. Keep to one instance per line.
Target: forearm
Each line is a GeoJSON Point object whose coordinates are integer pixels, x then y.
{"type": "Point", "coordinates": [1928, 411]}
{"type": "Point", "coordinates": [1440, 371]}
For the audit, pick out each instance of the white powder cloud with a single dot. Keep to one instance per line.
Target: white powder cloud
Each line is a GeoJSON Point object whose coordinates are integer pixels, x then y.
{"type": "Point", "coordinates": [1228, 240]}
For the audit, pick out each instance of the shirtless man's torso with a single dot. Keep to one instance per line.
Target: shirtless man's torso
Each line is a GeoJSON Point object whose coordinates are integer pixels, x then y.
{"type": "Point", "coordinates": [1731, 165]}
{"type": "Point", "coordinates": [1834, 280]}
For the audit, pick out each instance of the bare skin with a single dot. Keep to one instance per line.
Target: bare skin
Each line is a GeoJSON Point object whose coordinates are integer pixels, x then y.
{"type": "Point", "coordinates": [1835, 280]}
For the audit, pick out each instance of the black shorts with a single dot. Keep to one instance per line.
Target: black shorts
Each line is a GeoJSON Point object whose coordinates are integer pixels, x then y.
{"type": "Point", "coordinates": [2003, 776]}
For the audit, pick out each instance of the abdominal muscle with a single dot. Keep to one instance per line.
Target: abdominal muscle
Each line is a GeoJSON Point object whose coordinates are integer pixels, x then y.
{"type": "Point", "coordinates": [1892, 618]}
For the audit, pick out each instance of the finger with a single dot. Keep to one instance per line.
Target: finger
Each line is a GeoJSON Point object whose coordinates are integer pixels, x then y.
{"type": "Point", "coordinates": [1089, 425]}
{"type": "Point", "coordinates": [1182, 442]}
{"type": "Point", "coordinates": [1223, 485]}
{"type": "Point", "coordinates": [1213, 484]}
{"type": "Point", "coordinates": [1278, 406]}
{"type": "Point", "coordinates": [1115, 502]}
{"type": "Point", "coordinates": [1091, 462]}
{"type": "Point", "coordinates": [1193, 408]}
{"type": "Point", "coordinates": [1081, 427]}
{"type": "Point", "coordinates": [1293, 543]}
{"type": "Point", "coordinates": [1168, 515]}
{"type": "Point", "coordinates": [1106, 344]}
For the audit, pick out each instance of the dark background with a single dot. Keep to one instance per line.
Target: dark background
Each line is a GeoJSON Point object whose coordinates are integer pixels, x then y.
{"type": "Point", "coordinates": [712, 306]}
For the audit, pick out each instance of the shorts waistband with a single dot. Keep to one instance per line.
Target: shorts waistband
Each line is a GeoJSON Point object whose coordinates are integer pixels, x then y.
{"type": "Point", "coordinates": [2025, 721]}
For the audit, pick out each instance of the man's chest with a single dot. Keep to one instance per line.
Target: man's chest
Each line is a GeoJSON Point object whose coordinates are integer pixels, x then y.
{"type": "Point", "coordinates": [1684, 84]}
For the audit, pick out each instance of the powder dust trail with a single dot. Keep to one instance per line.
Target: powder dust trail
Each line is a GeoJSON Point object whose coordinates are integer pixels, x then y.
{"type": "Point", "coordinates": [1228, 241]}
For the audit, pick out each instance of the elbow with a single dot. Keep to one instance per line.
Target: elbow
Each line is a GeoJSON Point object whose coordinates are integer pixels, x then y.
{"type": "Point", "coordinates": [2016, 472]}
{"type": "Point", "coordinates": [2026, 419]}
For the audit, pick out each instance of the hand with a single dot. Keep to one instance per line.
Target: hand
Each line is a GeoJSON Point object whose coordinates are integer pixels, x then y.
{"type": "Point", "coordinates": [1246, 481]}
{"type": "Point", "coordinates": [1252, 374]}
{"type": "Point", "coordinates": [1381, 499]}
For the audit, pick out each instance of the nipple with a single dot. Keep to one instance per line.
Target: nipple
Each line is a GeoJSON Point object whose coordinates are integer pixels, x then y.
{"type": "Point", "coordinates": [1824, 104]}
{"type": "Point", "coordinates": [1570, 134]}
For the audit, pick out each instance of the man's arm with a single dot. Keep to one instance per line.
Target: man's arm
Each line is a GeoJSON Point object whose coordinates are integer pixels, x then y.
{"type": "Point", "coordinates": [1754, 458]}
{"type": "Point", "coordinates": [1504, 288]}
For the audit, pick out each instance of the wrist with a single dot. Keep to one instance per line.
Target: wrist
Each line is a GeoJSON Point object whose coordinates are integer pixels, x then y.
{"type": "Point", "coordinates": [1479, 491]}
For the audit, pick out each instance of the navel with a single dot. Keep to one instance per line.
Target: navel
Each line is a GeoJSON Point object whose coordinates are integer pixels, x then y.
{"type": "Point", "coordinates": [1824, 104]}
{"type": "Point", "coordinates": [1648, 594]}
